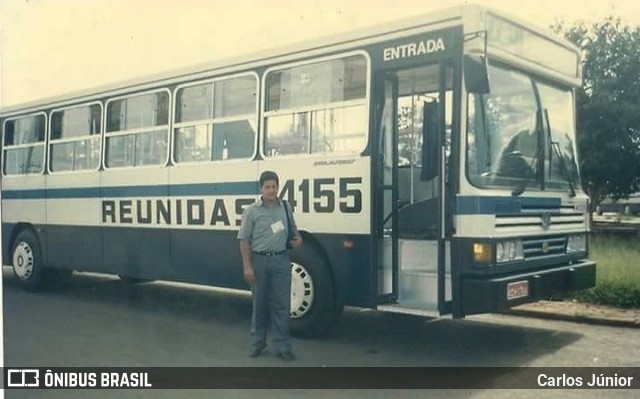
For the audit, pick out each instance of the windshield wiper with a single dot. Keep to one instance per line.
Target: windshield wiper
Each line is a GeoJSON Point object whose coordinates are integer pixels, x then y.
{"type": "Point", "coordinates": [556, 147]}
{"type": "Point", "coordinates": [522, 186]}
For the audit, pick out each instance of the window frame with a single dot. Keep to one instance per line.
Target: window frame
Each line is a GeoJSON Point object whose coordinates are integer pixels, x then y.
{"type": "Point", "coordinates": [177, 125]}
{"type": "Point", "coordinates": [506, 183]}
{"type": "Point", "coordinates": [51, 142]}
{"type": "Point", "coordinates": [366, 102]}
{"type": "Point", "coordinates": [533, 185]}
{"type": "Point", "coordinates": [561, 184]}
{"type": "Point", "coordinates": [118, 133]}
{"type": "Point", "coordinates": [18, 146]}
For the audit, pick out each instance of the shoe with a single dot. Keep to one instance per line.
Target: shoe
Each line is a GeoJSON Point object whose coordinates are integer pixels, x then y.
{"type": "Point", "coordinates": [257, 351]}
{"type": "Point", "coordinates": [287, 355]}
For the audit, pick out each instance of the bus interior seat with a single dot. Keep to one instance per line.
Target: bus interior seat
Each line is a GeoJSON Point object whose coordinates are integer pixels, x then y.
{"type": "Point", "coordinates": [419, 220]}
{"type": "Point", "coordinates": [239, 137]}
{"type": "Point", "coordinates": [421, 189]}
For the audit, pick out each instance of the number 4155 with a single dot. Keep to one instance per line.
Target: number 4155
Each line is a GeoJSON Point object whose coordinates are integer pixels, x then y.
{"type": "Point", "coordinates": [324, 191]}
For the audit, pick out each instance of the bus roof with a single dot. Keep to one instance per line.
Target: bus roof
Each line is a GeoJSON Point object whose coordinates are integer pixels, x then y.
{"type": "Point", "coordinates": [450, 15]}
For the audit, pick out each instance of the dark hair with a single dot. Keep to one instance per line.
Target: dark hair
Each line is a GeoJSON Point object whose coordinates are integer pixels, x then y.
{"type": "Point", "coordinates": [269, 175]}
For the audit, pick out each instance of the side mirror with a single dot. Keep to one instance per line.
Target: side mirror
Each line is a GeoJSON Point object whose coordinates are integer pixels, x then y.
{"type": "Point", "coordinates": [476, 74]}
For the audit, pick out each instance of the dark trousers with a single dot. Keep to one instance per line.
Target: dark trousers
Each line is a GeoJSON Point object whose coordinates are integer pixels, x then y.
{"type": "Point", "coordinates": [271, 300]}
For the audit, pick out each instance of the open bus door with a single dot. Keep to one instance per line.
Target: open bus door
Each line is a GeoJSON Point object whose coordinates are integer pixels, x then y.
{"type": "Point", "coordinates": [387, 191]}
{"type": "Point", "coordinates": [413, 267]}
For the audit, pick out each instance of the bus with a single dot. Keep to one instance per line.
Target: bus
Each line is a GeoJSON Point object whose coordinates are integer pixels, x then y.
{"type": "Point", "coordinates": [431, 165]}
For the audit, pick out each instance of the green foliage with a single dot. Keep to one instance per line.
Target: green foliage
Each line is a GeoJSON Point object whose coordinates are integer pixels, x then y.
{"type": "Point", "coordinates": [622, 294]}
{"type": "Point", "coordinates": [618, 273]}
{"type": "Point", "coordinates": [608, 121]}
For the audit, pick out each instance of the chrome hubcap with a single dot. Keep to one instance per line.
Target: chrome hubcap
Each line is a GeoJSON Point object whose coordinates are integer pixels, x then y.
{"type": "Point", "coordinates": [23, 261]}
{"type": "Point", "coordinates": [302, 292]}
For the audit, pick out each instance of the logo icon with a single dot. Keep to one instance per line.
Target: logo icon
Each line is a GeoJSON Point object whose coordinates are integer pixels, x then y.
{"type": "Point", "coordinates": [545, 247]}
{"type": "Point", "coordinates": [545, 220]}
{"type": "Point", "coordinates": [17, 378]}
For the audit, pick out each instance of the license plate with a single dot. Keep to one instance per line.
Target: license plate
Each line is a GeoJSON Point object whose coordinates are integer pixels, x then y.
{"type": "Point", "coordinates": [518, 289]}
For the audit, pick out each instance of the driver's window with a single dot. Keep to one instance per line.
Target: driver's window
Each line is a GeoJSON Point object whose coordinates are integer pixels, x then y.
{"type": "Point", "coordinates": [502, 131]}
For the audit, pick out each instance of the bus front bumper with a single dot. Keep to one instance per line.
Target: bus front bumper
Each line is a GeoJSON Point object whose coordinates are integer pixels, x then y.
{"type": "Point", "coordinates": [482, 295]}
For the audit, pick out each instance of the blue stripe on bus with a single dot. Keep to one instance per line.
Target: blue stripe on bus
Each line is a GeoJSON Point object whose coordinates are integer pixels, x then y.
{"type": "Point", "coordinates": [481, 205]}
{"type": "Point", "coordinates": [177, 190]}
{"type": "Point", "coordinates": [464, 205]}
{"type": "Point", "coordinates": [234, 188]}
{"type": "Point", "coordinates": [23, 194]}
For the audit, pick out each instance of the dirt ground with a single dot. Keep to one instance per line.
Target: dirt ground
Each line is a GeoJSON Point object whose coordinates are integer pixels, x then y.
{"type": "Point", "coordinates": [575, 311]}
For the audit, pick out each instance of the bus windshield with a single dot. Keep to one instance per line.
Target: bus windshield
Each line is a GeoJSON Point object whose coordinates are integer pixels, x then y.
{"type": "Point", "coordinates": [521, 134]}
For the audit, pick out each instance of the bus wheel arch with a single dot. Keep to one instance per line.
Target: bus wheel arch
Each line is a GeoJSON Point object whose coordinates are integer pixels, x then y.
{"type": "Point", "coordinates": [17, 229]}
{"type": "Point", "coordinates": [313, 299]}
{"type": "Point", "coordinates": [26, 258]}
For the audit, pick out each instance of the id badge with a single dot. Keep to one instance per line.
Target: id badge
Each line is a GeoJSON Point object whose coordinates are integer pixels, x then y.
{"type": "Point", "coordinates": [277, 227]}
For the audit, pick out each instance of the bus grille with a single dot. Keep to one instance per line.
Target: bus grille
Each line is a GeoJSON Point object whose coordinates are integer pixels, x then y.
{"type": "Point", "coordinates": [541, 221]}
{"type": "Point", "coordinates": [544, 246]}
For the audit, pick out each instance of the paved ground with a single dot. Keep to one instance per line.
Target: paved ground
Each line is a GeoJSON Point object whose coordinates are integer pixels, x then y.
{"type": "Point", "coordinates": [98, 321]}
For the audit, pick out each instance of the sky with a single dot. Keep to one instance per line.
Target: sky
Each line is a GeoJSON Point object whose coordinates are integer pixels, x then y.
{"type": "Point", "coordinates": [53, 47]}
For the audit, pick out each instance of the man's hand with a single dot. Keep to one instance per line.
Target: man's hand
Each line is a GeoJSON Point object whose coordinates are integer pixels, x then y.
{"type": "Point", "coordinates": [296, 242]}
{"type": "Point", "coordinates": [249, 275]}
{"type": "Point", "coordinates": [245, 251]}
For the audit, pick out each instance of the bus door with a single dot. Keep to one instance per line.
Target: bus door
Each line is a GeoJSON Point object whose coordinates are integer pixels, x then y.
{"type": "Point", "coordinates": [414, 121]}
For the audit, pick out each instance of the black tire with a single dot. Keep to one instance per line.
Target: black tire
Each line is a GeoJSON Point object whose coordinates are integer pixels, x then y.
{"type": "Point", "coordinates": [27, 261]}
{"type": "Point", "coordinates": [317, 312]}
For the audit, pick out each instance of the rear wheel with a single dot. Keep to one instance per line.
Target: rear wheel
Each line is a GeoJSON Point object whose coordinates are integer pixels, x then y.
{"type": "Point", "coordinates": [27, 260]}
{"type": "Point", "coordinates": [313, 307]}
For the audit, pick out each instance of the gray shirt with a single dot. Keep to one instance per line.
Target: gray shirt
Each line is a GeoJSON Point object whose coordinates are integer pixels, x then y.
{"type": "Point", "coordinates": [266, 228]}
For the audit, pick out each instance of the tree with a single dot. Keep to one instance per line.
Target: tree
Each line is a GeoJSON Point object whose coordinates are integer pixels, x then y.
{"type": "Point", "coordinates": [608, 108]}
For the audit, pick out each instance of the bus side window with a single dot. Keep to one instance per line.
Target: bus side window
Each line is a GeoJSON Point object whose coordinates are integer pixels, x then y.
{"type": "Point", "coordinates": [75, 138]}
{"type": "Point", "coordinates": [216, 120]}
{"type": "Point", "coordinates": [317, 108]}
{"type": "Point", "coordinates": [233, 140]}
{"type": "Point", "coordinates": [137, 130]}
{"type": "Point", "coordinates": [24, 145]}
{"type": "Point", "coordinates": [288, 134]}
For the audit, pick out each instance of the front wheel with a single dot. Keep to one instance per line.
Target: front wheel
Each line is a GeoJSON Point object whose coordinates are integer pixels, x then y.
{"type": "Point", "coordinates": [313, 308]}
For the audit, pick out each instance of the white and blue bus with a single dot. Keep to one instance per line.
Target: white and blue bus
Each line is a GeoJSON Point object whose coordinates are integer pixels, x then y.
{"type": "Point", "coordinates": [431, 164]}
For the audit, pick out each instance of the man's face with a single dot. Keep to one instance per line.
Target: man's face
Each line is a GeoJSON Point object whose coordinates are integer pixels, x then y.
{"type": "Point", "coordinates": [269, 190]}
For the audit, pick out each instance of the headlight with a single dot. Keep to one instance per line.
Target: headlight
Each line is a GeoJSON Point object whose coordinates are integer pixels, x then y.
{"type": "Point", "coordinates": [509, 250]}
{"type": "Point", "coordinates": [500, 251]}
{"type": "Point", "coordinates": [482, 252]}
{"type": "Point", "coordinates": [512, 249]}
{"type": "Point", "coordinates": [577, 243]}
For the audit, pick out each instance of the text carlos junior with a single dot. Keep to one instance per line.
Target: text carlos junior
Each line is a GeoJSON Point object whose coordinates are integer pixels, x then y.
{"type": "Point", "coordinates": [596, 380]}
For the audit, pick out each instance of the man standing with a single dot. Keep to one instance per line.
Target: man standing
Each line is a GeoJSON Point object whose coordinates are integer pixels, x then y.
{"type": "Point", "coordinates": [263, 239]}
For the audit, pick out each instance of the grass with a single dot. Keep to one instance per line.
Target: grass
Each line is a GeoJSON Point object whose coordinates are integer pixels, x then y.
{"type": "Point", "coordinates": [617, 272]}
{"type": "Point", "coordinates": [618, 258]}
{"type": "Point", "coordinates": [617, 217]}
